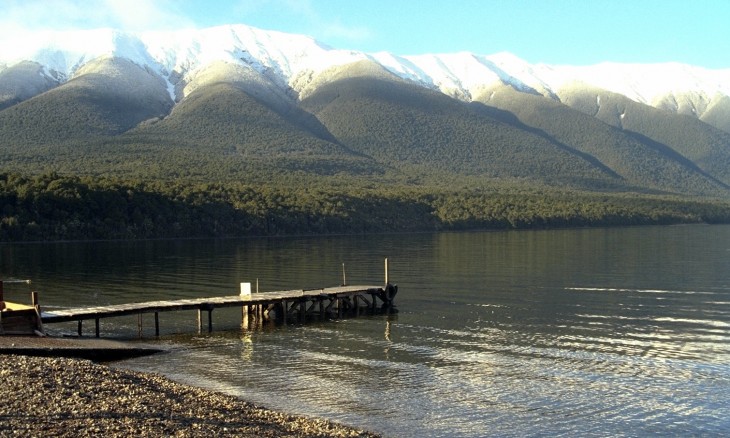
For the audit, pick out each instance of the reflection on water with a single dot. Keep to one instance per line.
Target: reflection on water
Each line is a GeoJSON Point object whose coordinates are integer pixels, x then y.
{"type": "Point", "coordinates": [570, 332]}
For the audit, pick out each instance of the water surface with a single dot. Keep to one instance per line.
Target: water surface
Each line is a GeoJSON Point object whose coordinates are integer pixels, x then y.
{"type": "Point", "coordinates": [568, 332]}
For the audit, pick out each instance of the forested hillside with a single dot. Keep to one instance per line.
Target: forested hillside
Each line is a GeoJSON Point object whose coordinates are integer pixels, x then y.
{"type": "Point", "coordinates": [53, 207]}
{"type": "Point", "coordinates": [424, 131]}
{"type": "Point", "coordinates": [626, 152]}
{"type": "Point", "coordinates": [677, 136]}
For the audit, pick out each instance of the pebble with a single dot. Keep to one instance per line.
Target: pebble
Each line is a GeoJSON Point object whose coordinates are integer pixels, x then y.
{"type": "Point", "coordinates": [64, 397]}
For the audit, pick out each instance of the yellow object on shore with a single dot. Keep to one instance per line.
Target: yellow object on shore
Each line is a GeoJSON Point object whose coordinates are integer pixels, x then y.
{"type": "Point", "coordinates": [20, 319]}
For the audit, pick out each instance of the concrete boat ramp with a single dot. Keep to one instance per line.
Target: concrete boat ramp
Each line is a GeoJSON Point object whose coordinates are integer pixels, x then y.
{"type": "Point", "coordinates": [98, 350]}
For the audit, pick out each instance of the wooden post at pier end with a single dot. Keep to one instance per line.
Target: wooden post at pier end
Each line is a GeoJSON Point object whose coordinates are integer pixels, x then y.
{"type": "Point", "coordinates": [386, 271]}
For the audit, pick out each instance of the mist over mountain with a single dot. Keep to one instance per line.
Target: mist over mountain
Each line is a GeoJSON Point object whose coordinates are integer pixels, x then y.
{"type": "Point", "coordinates": [236, 103]}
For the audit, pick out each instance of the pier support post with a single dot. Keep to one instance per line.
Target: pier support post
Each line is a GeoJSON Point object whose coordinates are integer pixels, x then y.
{"type": "Point", "coordinates": [209, 307]}
{"type": "Point", "coordinates": [79, 329]}
{"type": "Point", "coordinates": [96, 325]}
{"type": "Point", "coordinates": [157, 324]}
{"type": "Point", "coordinates": [244, 316]}
{"type": "Point", "coordinates": [302, 310]}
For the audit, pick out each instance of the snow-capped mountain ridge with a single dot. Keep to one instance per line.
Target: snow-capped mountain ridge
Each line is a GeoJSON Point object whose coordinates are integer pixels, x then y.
{"type": "Point", "coordinates": [233, 99]}
{"type": "Point", "coordinates": [177, 56]}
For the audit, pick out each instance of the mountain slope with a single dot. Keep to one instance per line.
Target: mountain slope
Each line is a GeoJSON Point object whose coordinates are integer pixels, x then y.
{"type": "Point", "coordinates": [718, 113]}
{"type": "Point", "coordinates": [639, 163]}
{"type": "Point", "coordinates": [691, 139]}
{"type": "Point", "coordinates": [107, 97]}
{"type": "Point", "coordinates": [404, 125]}
{"type": "Point", "coordinates": [23, 81]}
{"type": "Point", "coordinates": [224, 126]}
{"type": "Point", "coordinates": [235, 102]}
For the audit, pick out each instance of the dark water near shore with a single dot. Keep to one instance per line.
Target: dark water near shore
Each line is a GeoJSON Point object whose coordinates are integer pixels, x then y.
{"type": "Point", "coordinates": [570, 332]}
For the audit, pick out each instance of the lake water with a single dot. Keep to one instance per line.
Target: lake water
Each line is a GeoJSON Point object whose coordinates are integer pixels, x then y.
{"type": "Point", "coordinates": [590, 332]}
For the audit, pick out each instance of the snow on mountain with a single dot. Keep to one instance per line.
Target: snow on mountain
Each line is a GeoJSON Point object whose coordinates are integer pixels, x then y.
{"type": "Point", "coordinates": [644, 83]}
{"type": "Point", "coordinates": [464, 74]}
{"type": "Point", "coordinates": [63, 53]}
{"type": "Point", "coordinates": [283, 54]}
{"type": "Point", "coordinates": [177, 56]}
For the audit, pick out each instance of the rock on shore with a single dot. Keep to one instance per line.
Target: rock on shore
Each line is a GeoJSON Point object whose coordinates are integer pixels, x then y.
{"type": "Point", "coordinates": [77, 398]}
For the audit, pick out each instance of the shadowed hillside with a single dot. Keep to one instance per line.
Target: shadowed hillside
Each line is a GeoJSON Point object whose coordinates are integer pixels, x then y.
{"type": "Point", "coordinates": [641, 162]}
{"type": "Point", "coordinates": [108, 97]}
{"type": "Point", "coordinates": [686, 136]}
{"type": "Point", "coordinates": [23, 81]}
{"type": "Point", "coordinates": [413, 128]}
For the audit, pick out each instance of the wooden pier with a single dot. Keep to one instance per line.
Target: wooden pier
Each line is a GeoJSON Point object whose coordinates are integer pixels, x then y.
{"type": "Point", "coordinates": [331, 302]}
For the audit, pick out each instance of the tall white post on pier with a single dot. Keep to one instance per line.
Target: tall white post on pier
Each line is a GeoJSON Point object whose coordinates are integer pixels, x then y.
{"type": "Point", "coordinates": [245, 310]}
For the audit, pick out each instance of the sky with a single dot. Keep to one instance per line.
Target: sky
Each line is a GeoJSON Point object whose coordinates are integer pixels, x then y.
{"type": "Point", "coordinates": [565, 32]}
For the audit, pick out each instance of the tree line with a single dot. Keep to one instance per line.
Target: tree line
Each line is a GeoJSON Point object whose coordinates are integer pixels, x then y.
{"type": "Point", "coordinates": [57, 207]}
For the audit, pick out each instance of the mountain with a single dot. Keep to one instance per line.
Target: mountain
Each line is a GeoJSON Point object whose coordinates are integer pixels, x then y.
{"type": "Point", "coordinates": [237, 103]}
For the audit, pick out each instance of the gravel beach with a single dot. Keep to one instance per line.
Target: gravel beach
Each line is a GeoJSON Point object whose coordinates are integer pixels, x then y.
{"type": "Point", "coordinates": [41, 397]}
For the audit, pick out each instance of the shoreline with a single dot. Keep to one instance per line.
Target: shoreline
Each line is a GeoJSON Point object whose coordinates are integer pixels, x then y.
{"type": "Point", "coordinates": [56, 396]}
{"type": "Point", "coordinates": [357, 234]}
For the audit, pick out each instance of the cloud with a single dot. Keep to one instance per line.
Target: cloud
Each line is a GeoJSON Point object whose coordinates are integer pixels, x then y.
{"type": "Point", "coordinates": [135, 15]}
{"type": "Point", "coordinates": [23, 17]}
{"type": "Point", "coordinates": [146, 14]}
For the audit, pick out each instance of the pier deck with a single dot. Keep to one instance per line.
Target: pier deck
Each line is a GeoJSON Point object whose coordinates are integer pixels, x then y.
{"type": "Point", "coordinates": [330, 301]}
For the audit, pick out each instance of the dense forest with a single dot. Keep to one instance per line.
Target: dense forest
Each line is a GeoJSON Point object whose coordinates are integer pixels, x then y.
{"type": "Point", "coordinates": [57, 207]}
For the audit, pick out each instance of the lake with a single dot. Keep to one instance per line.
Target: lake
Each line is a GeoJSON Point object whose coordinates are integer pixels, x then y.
{"type": "Point", "coordinates": [591, 332]}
